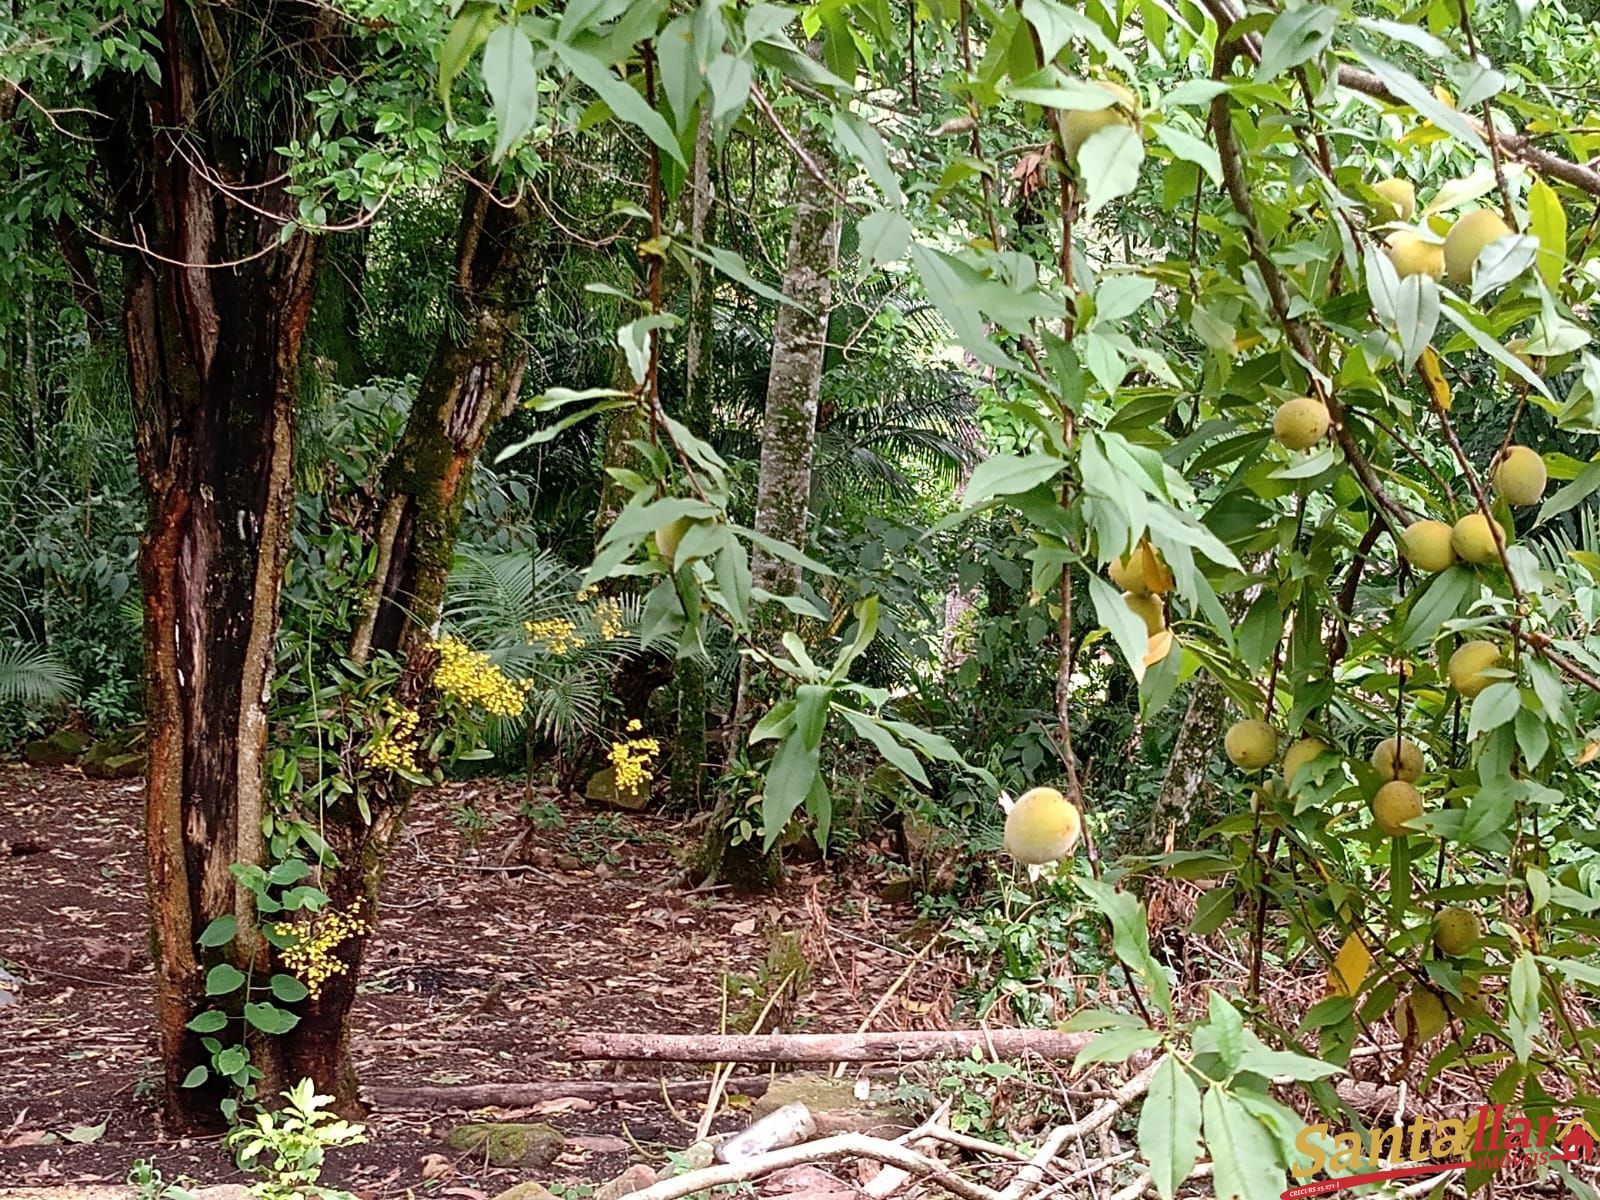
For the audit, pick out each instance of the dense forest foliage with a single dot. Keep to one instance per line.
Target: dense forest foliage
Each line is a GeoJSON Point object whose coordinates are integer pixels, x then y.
{"type": "Point", "coordinates": [1172, 414]}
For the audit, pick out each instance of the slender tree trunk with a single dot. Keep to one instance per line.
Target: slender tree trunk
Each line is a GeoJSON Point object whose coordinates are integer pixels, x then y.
{"type": "Point", "coordinates": [472, 382]}
{"type": "Point", "coordinates": [788, 439]}
{"type": "Point", "coordinates": [689, 740]}
{"type": "Point", "coordinates": [1185, 786]}
{"type": "Point", "coordinates": [212, 321]}
{"type": "Point", "coordinates": [794, 379]}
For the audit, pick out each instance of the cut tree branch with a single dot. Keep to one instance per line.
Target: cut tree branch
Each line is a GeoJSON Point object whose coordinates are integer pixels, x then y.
{"type": "Point", "coordinates": [904, 1046]}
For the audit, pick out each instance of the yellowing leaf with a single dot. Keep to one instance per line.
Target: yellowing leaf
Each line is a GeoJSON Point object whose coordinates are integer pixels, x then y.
{"type": "Point", "coordinates": [1442, 94]}
{"type": "Point", "coordinates": [1349, 967]}
{"type": "Point", "coordinates": [1432, 372]}
{"type": "Point", "coordinates": [1589, 753]}
{"type": "Point", "coordinates": [1469, 187]}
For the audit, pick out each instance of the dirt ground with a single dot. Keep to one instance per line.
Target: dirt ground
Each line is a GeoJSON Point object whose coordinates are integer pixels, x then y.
{"type": "Point", "coordinates": [473, 971]}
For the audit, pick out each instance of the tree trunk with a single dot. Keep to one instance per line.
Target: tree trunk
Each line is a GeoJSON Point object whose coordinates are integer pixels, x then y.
{"type": "Point", "coordinates": [212, 320]}
{"type": "Point", "coordinates": [788, 438]}
{"type": "Point", "coordinates": [794, 379]}
{"type": "Point", "coordinates": [1185, 785]}
{"type": "Point", "coordinates": [471, 383]}
{"type": "Point", "coordinates": [689, 738]}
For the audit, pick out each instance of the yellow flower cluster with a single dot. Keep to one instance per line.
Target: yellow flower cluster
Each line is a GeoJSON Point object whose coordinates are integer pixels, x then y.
{"type": "Point", "coordinates": [632, 760]}
{"type": "Point", "coordinates": [584, 594]}
{"type": "Point", "coordinates": [608, 616]}
{"type": "Point", "coordinates": [316, 938]}
{"type": "Point", "coordinates": [466, 675]}
{"type": "Point", "coordinates": [557, 634]}
{"type": "Point", "coordinates": [394, 747]}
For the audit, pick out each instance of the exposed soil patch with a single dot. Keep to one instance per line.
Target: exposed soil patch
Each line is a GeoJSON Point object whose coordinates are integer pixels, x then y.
{"type": "Point", "coordinates": [473, 972]}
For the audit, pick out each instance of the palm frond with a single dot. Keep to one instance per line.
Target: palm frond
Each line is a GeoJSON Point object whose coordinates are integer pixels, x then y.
{"type": "Point", "coordinates": [33, 675]}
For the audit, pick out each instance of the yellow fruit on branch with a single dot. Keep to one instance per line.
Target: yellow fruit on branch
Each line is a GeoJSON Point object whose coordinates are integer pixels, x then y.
{"type": "Point", "coordinates": [1467, 239]}
{"type": "Point", "coordinates": [1300, 423]}
{"type": "Point", "coordinates": [1148, 609]}
{"type": "Point", "coordinates": [1467, 667]}
{"type": "Point", "coordinates": [1422, 1016]}
{"type": "Point", "coordinates": [1413, 254]}
{"type": "Point", "coordinates": [1251, 745]}
{"type": "Point", "coordinates": [1426, 545]}
{"type": "Point", "coordinates": [1520, 476]}
{"type": "Point", "coordinates": [669, 535]}
{"type": "Point", "coordinates": [1398, 758]}
{"type": "Point", "coordinates": [1143, 572]}
{"type": "Point", "coordinates": [1399, 199]}
{"type": "Point", "coordinates": [1078, 125]}
{"type": "Point", "coordinates": [1298, 755]}
{"type": "Point", "coordinates": [1395, 803]}
{"type": "Point", "coordinates": [1456, 931]}
{"type": "Point", "coordinates": [1473, 540]}
{"type": "Point", "coordinates": [1043, 826]}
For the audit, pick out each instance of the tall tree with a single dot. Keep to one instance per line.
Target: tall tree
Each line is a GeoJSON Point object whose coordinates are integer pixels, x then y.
{"type": "Point", "coordinates": [214, 306]}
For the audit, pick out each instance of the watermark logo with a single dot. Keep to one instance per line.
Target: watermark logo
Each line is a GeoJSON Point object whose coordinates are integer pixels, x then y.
{"type": "Point", "coordinates": [1488, 1140]}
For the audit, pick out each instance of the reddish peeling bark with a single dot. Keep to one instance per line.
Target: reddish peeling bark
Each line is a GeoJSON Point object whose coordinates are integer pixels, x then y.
{"type": "Point", "coordinates": [213, 312]}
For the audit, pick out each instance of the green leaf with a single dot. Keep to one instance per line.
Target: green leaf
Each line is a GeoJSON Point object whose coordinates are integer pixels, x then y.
{"type": "Point", "coordinates": [1222, 1033]}
{"type": "Point", "coordinates": [209, 1021]}
{"type": "Point", "coordinates": [1416, 316]}
{"type": "Point", "coordinates": [1126, 626]}
{"type": "Point", "coordinates": [1189, 148]}
{"type": "Point", "coordinates": [269, 1018]}
{"type": "Point", "coordinates": [1169, 1127]}
{"type": "Point", "coordinates": [85, 1135]}
{"type": "Point", "coordinates": [1009, 474]}
{"type": "Point", "coordinates": [1408, 89]}
{"type": "Point", "coordinates": [1108, 165]}
{"type": "Point", "coordinates": [513, 85]}
{"type": "Point", "coordinates": [1296, 35]}
{"type": "Point", "coordinates": [196, 1076]}
{"type": "Point", "coordinates": [884, 236]}
{"type": "Point", "coordinates": [729, 79]}
{"type": "Point", "coordinates": [288, 989]}
{"type": "Point", "coordinates": [1244, 1159]}
{"type": "Point", "coordinates": [220, 932]}
{"type": "Point", "coordinates": [467, 33]}
{"type": "Point", "coordinates": [1547, 221]}
{"type": "Point", "coordinates": [1117, 1045]}
{"type": "Point", "coordinates": [794, 768]}
{"type": "Point", "coordinates": [222, 979]}
{"type": "Point", "coordinates": [1522, 1014]}
{"type": "Point", "coordinates": [1269, 1063]}
{"type": "Point", "coordinates": [895, 754]}
{"type": "Point", "coordinates": [1500, 262]}
{"type": "Point", "coordinates": [862, 143]}
{"type": "Point", "coordinates": [1439, 601]}
{"type": "Point", "coordinates": [1574, 494]}
{"type": "Point", "coordinates": [626, 104]}
{"type": "Point", "coordinates": [1130, 936]}
{"type": "Point", "coordinates": [1495, 705]}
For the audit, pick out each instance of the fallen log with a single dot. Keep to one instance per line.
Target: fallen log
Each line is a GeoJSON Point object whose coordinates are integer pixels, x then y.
{"type": "Point", "coordinates": [518, 1095]}
{"type": "Point", "coordinates": [906, 1046]}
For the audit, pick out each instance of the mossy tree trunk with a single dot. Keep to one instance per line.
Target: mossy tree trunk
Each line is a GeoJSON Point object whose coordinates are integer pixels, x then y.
{"type": "Point", "coordinates": [471, 383]}
{"type": "Point", "coordinates": [689, 738]}
{"type": "Point", "coordinates": [788, 442]}
{"type": "Point", "coordinates": [212, 319]}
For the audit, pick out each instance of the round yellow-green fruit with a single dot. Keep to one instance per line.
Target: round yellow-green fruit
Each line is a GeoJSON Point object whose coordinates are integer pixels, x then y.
{"type": "Point", "coordinates": [1300, 423]}
{"type": "Point", "coordinates": [1043, 826]}
{"type": "Point", "coordinates": [669, 535]}
{"type": "Point", "coordinates": [1473, 540]}
{"type": "Point", "coordinates": [1078, 126]}
{"type": "Point", "coordinates": [1413, 254]}
{"type": "Point", "coordinates": [1251, 745]}
{"type": "Point", "coordinates": [1468, 664]}
{"type": "Point", "coordinates": [1398, 758]}
{"type": "Point", "coordinates": [1456, 931]}
{"type": "Point", "coordinates": [1423, 1012]}
{"type": "Point", "coordinates": [1466, 240]}
{"type": "Point", "coordinates": [1298, 755]}
{"type": "Point", "coordinates": [1395, 803]}
{"type": "Point", "coordinates": [1520, 476]}
{"type": "Point", "coordinates": [1148, 609]}
{"type": "Point", "coordinates": [1399, 199]}
{"type": "Point", "coordinates": [1427, 547]}
{"type": "Point", "coordinates": [1143, 572]}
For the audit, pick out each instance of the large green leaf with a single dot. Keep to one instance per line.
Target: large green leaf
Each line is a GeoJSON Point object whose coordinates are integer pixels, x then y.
{"type": "Point", "coordinates": [1169, 1126]}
